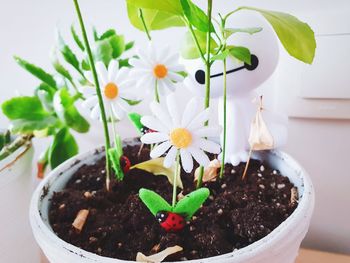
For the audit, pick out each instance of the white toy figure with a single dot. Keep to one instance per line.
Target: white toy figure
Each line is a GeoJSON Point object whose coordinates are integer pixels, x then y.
{"type": "Point", "coordinates": [242, 81]}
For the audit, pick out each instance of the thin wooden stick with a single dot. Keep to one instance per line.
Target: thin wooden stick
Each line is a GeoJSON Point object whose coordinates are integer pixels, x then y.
{"type": "Point", "coordinates": [247, 164]}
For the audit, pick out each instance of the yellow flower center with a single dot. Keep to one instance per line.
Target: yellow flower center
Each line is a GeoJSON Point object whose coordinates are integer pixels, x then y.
{"type": "Point", "coordinates": [160, 71]}
{"type": "Point", "coordinates": [181, 138]}
{"type": "Point", "coordinates": [111, 91]}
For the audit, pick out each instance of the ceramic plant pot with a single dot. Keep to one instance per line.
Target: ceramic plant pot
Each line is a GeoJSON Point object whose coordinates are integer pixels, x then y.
{"type": "Point", "coordinates": [15, 193]}
{"type": "Point", "coordinates": [280, 246]}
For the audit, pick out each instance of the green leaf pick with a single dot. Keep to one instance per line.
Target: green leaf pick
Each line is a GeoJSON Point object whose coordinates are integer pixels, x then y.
{"type": "Point", "coordinates": [156, 167]}
{"type": "Point", "coordinates": [154, 201]}
{"type": "Point", "coordinates": [189, 205]}
{"type": "Point", "coordinates": [114, 157]}
{"type": "Point", "coordinates": [136, 120]}
{"type": "Point", "coordinates": [296, 36]}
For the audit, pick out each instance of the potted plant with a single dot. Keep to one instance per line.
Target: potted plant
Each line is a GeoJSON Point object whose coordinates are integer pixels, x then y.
{"type": "Point", "coordinates": [116, 204]}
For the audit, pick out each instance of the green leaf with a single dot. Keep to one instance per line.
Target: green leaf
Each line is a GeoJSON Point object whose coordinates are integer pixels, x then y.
{"type": "Point", "coordinates": [77, 39]}
{"type": "Point", "coordinates": [156, 167]}
{"type": "Point", "coordinates": [154, 19]}
{"type": "Point", "coordinates": [183, 73]}
{"type": "Point", "coordinates": [118, 45]}
{"type": "Point", "coordinates": [5, 138]}
{"type": "Point", "coordinates": [45, 94]}
{"type": "Point", "coordinates": [297, 37]}
{"type": "Point", "coordinates": [129, 45]}
{"type": "Point", "coordinates": [191, 203]}
{"type": "Point", "coordinates": [248, 30]}
{"type": "Point", "coordinates": [196, 16]}
{"type": "Point", "coordinates": [25, 126]}
{"type": "Point", "coordinates": [62, 148]}
{"type": "Point", "coordinates": [37, 72]}
{"type": "Point", "coordinates": [189, 49]}
{"type": "Point", "coordinates": [241, 53]}
{"type": "Point", "coordinates": [68, 113]}
{"type": "Point", "coordinates": [29, 108]}
{"type": "Point", "coordinates": [168, 6]}
{"type": "Point", "coordinates": [103, 51]}
{"type": "Point", "coordinates": [124, 63]}
{"type": "Point", "coordinates": [68, 54]}
{"type": "Point", "coordinates": [221, 56]}
{"type": "Point", "coordinates": [154, 202]}
{"type": "Point", "coordinates": [136, 120]}
{"type": "Point", "coordinates": [94, 31]}
{"type": "Point", "coordinates": [60, 68]}
{"type": "Point", "coordinates": [109, 33]}
{"type": "Point", "coordinates": [85, 65]}
{"type": "Point", "coordinates": [114, 157]}
{"type": "Point", "coordinates": [133, 102]}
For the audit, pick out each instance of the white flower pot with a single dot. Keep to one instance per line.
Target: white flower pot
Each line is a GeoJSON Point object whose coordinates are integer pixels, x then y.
{"type": "Point", "coordinates": [16, 240]}
{"type": "Point", "coordinates": [280, 246]}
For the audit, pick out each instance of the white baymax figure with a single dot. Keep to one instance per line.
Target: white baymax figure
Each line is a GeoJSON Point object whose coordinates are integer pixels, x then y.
{"type": "Point", "coordinates": [242, 82]}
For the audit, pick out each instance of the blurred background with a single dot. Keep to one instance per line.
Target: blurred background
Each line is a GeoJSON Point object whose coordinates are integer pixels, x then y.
{"type": "Point", "coordinates": [317, 98]}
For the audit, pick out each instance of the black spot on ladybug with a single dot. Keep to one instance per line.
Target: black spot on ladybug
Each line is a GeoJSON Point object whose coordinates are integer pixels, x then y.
{"type": "Point", "coordinates": [173, 218]}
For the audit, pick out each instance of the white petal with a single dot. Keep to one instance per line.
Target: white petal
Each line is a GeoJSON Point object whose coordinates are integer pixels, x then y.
{"type": "Point", "coordinates": [118, 112]}
{"type": "Point", "coordinates": [122, 75]}
{"type": "Point", "coordinates": [172, 58]}
{"type": "Point", "coordinates": [160, 149]}
{"type": "Point", "coordinates": [173, 110]}
{"type": "Point", "coordinates": [102, 72]}
{"type": "Point", "coordinates": [186, 160]}
{"type": "Point", "coordinates": [90, 102]}
{"type": "Point", "coordinates": [161, 114]}
{"type": "Point", "coordinates": [88, 75]}
{"type": "Point", "coordinates": [162, 55]}
{"type": "Point", "coordinates": [212, 131]}
{"type": "Point", "coordinates": [113, 67]}
{"type": "Point", "coordinates": [190, 112]}
{"type": "Point", "coordinates": [199, 156]}
{"type": "Point", "coordinates": [170, 157]}
{"type": "Point", "coordinates": [207, 145]}
{"type": "Point", "coordinates": [95, 113]}
{"type": "Point", "coordinates": [169, 84]}
{"type": "Point", "coordinates": [123, 104]}
{"type": "Point", "coordinates": [162, 88]}
{"type": "Point", "coordinates": [176, 67]}
{"type": "Point", "coordinates": [154, 137]}
{"type": "Point", "coordinates": [154, 124]}
{"type": "Point", "coordinates": [175, 77]}
{"type": "Point", "coordinates": [138, 63]}
{"type": "Point", "coordinates": [199, 120]}
{"type": "Point", "coordinates": [88, 91]}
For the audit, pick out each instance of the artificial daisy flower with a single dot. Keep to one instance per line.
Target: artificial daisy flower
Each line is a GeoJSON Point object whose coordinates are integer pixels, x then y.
{"type": "Point", "coordinates": [156, 67]}
{"type": "Point", "coordinates": [115, 87]}
{"type": "Point", "coordinates": [185, 135]}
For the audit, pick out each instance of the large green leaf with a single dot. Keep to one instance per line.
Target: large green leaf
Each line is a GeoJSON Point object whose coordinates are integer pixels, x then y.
{"type": "Point", "coordinates": [189, 48]}
{"type": "Point", "coordinates": [154, 202]}
{"type": "Point", "coordinates": [68, 113]}
{"type": "Point", "coordinates": [297, 37]}
{"type": "Point", "coordinates": [28, 108]}
{"type": "Point", "coordinates": [154, 19]}
{"type": "Point", "coordinates": [241, 53]}
{"type": "Point", "coordinates": [68, 54]}
{"type": "Point", "coordinates": [37, 72]}
{"type": "Point", "coordinates": [103, 51]}
{"type": "Point", "coordinates": [191, 202]}
{"type": "Point", "coordinates": [169, 6]}
{"type": "Point", "coordinates": [248, 30]}
{"type": "Point", "coordinates": [62, 147]}
{"type": "Point", "coordinates": [25, 126]}
{"type": "Point", "coordinates": [196, 16]}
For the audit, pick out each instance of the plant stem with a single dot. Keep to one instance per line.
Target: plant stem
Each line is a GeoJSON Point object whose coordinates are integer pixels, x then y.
{"type": "Point", "coordinates": [225, 124]}
{"type": "Point", "coordinates": [144, 24]}
{"type": "Point", "coordinates": [98, 91]}
{"type": "Point", "coordinates": [176, 175]}
{"type": "Point", "coordinates": [196, 40]}
{"type": "Point", "coordinates": [207, 79]}
{"type": "Point", "coordinates": [156, 92]}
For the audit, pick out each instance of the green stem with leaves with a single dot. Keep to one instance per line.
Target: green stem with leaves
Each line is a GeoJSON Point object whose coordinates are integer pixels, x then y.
{"type": "Point", "coordinates": [207, 78]}
{"type": "Point", "coordinates": [225, 122]}
{"type": "Point", "coordinates": [98, 91]}
{"type": "Point", "coordinates": [176, 175]}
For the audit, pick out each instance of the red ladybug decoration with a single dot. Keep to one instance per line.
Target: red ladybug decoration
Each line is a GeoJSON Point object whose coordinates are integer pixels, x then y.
{"type": "Point", "coordinates": [145, 130]}
{"type": "Point", "coordinates": [170, 221]}
{"type": "Point", "coordinates": [125, 163]}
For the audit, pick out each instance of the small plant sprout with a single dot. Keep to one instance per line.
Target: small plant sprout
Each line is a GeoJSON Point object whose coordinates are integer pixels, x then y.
{"type": "Point", "coordinates": [156, 70]}
{"type": "Point", "coordinates": [179, 138]}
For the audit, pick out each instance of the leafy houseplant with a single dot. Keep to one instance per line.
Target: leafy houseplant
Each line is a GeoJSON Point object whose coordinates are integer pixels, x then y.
{"type": "Point", "coordinates": [251, 217]}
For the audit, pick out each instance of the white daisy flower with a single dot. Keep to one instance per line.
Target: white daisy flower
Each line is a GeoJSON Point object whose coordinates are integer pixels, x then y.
{"type": "Point", "coordinates": [116, 88]}
{"type": "Point", "coordinates": [155, 66]}
{"type": "Point", "coordinates": [186, 134]}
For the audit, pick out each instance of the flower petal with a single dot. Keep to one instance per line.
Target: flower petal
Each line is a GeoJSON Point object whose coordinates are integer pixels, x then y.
{"type": "Point", "coordinates": [117, 111]}
{"type": "Point", "coordinates": [190, 112]}
{"type": "Point", "coordinates": [175, 76]}
{"type": "Point", "coordinates": [154, 137]}
{"type": "Point", "coordinates": [102, 72]}
{"type": "Point", "coordinates": [88, 75]}
{"type": "Point", "coordinates": [170, 157]}
{"type": "Point", "coordinates": [186, 160]}
{"type": "Point", "coordinates": [161, 114]}
{"type": "Point", "coordinates": [199, 120]}
{"type": "Point", "coordinates": [90, 102]}
{"type": "Point", "coordinates": [173, 110]}
{"type": "Point", "coordinates": [154, 124]}
{"type": "Point", "coordinates": [95, 113]}
{"type": "Point", "coordinates": [113, 67]}
{"type": "Point", "coordinates": [160, 149]}
{"type": "Point", "coordinates": [212, 131]}
{"type": "Point", "coordinates": [199, 156]}
{"type": "Point", "coordinates": [207, 145]}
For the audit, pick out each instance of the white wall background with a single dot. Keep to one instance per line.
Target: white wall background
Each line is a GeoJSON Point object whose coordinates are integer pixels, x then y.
{"type": "Point", "coordinates": [27, 29]}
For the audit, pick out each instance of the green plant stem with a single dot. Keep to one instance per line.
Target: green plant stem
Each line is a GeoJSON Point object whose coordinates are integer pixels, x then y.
{"type": "Point", "coordinates": [156, 92]}
{"type": "Point", "coordinates": [144, 24]}
{"type": "Point", "coordinates": [225, 124]}
{"type": "Point", "coordinates": [176, 175]}
{"type": "Point", "coordinates": [98, 91]}
{"type": "Point", "coordinates": [207, 80]}
{"type": "Point", "coordinates": [13, 146]}
{"type": "Point", "coordinates": [195, 39]}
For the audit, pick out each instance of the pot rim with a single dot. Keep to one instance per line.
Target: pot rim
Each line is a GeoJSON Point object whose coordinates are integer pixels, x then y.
{"type": "Point", "coordinates": [305, 205]}
{"type": "Point", "coordinates": [14, 157]}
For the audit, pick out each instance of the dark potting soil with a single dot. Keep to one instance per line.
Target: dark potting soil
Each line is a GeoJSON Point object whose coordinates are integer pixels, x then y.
{"type": "Point", "coordinates": [236, 214]}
